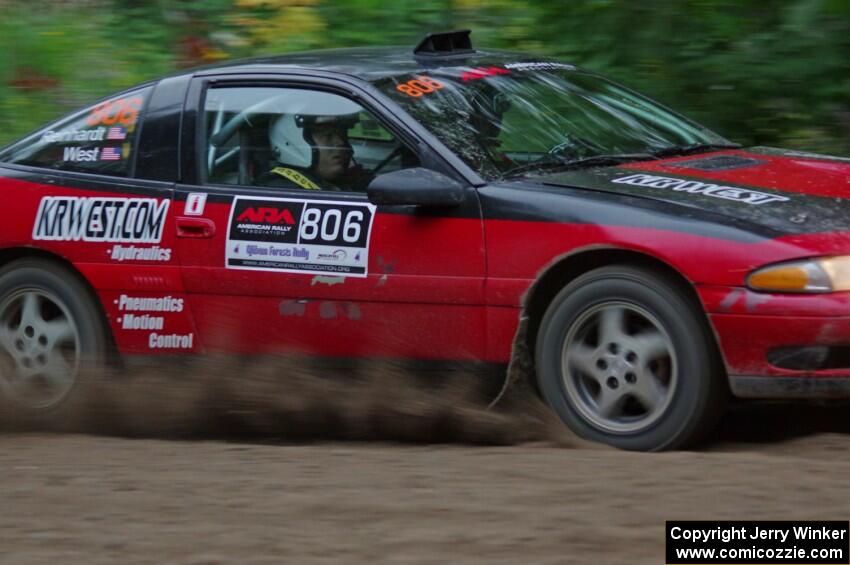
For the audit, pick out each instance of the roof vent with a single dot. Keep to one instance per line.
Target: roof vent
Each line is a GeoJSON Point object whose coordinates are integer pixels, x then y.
{"type": "Point", "coordinates": [444, 44]}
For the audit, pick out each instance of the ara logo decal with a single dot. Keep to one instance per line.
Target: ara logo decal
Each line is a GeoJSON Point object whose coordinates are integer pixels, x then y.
{"type": "Point", "coordinates": [269, 220]}
{"type": "Point", "coordinates": [262, 215]}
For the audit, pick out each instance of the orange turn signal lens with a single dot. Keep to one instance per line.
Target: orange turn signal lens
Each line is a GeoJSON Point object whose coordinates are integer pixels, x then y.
{"type": "Point", "coordinates": [791, 278]}
{"type": "Point", "coordinates": [819, 275]}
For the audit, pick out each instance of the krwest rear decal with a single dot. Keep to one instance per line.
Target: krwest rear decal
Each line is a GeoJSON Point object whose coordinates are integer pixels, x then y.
{"type": "Point", "coordinates": [299, 236]}
{"type": "Point", "coordinates": [96, 219]}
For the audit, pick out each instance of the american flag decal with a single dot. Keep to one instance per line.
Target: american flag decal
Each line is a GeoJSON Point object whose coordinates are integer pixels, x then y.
{"type": "Point", "coordinates": [110, 154]}
{"type": "Point", "coordinates": [116, 133]}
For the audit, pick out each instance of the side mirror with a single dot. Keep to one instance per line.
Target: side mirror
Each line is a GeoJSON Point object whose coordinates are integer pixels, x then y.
{"type": "Point", "coordinates": [415, 187]}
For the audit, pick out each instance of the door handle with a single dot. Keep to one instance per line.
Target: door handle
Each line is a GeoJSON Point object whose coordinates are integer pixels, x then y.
{"type": "Point", "coordinates": [197, 228]}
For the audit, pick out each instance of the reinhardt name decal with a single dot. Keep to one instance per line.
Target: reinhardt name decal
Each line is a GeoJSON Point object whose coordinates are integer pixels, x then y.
{"type": "Point", "coordinates": [696, 187]}
{"type": "Point", "coordinates": [119, 220]}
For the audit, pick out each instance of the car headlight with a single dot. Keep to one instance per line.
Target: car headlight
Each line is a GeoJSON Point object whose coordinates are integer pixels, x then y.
{"type": "Point", "coordinates": [831, 274]}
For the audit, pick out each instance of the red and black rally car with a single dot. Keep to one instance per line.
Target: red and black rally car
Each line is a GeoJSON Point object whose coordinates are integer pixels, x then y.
{"type": "Point", "coordinates": [444, 204]}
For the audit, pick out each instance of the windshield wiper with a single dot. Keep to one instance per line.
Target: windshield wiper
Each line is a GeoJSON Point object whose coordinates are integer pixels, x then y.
{"type": "Point", "coordinates": [691, 148]}
{"type": "Point", "coordinates": [593, 160]}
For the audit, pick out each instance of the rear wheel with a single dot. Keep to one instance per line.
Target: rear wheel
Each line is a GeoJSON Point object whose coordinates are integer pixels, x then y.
{"type": "Point", "coordinates": [625, 358]}
{"type": "Point", "coordinates": [50, 333]}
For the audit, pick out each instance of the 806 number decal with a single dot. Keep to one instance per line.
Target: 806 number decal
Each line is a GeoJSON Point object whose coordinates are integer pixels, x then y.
{"type": "Point", "coordinates": [124, 111]}
{"type": "Point", "coordinates": [334, 224]}
{"type": "Point", "coordinates": [419, 86]}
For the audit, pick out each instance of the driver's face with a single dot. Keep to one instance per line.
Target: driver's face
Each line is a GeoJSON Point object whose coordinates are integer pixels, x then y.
{"type": "Point", "coordinates": [334, 151]}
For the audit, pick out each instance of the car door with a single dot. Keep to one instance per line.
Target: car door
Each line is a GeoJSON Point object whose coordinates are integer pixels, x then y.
{"type": "Point", "coordinates": [276, 268]}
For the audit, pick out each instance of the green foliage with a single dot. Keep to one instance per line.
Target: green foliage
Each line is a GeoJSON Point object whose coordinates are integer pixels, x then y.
{"type": "Point", "coordinates": [768, 72]}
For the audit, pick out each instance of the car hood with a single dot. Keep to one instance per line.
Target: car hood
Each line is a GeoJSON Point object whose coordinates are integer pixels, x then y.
{"type": "Point", "coordinates": [787, 192]}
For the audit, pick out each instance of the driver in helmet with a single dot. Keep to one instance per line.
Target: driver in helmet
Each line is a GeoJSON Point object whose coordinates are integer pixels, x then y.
{"type": "Point", "coordinates": [313, 152]}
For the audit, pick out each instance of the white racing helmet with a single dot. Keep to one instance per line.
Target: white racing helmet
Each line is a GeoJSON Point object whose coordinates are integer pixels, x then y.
{"type": "Point", "coordinates": [289, 134]}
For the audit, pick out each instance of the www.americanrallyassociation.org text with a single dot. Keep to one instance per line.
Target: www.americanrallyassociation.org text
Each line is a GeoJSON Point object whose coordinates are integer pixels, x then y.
{"type": "Point", "coordinates": [727, 534]}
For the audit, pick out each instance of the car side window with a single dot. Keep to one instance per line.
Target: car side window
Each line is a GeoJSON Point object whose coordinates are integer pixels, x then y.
{"type": "Point", "coordinates": [295, 138]}
{"type": "Point", "coordinates": [99, 139]}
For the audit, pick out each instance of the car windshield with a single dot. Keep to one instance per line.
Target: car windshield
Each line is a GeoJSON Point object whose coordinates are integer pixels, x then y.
{"type": "Point", "coordinates": [504, 120]}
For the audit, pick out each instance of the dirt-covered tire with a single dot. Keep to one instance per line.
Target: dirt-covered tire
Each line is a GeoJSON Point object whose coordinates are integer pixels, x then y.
{"type": "Point", "coordinates": [51, 333]}
{"type": "Point", "coordinates": [624, 357]}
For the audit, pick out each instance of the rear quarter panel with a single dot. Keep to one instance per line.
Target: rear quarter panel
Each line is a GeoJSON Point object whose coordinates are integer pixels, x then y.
{"type": "Point", "coordinates": [118, 271]}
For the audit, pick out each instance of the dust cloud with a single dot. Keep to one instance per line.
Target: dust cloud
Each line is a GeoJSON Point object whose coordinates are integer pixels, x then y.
{"type": "Point", "coordinates": [291, 400]}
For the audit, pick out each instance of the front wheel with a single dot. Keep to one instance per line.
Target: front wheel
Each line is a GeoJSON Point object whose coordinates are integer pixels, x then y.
{"type": "Point", "coordinates": [625, 358]}
{"type": "Point", "coordinates": [50, 332]}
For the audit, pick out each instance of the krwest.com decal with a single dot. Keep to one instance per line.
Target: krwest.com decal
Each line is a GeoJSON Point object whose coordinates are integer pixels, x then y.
{"type": "Point", "coordinates": [299, 236]}
{"type": "Point", "coordinates": [118, 220]}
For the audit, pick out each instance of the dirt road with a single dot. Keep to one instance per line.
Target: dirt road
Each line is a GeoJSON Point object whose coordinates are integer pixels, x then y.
{"type": "Point", "coordinates": [94, 499]}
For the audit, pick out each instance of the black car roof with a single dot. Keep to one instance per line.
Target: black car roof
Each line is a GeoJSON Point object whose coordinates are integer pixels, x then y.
{"type": "Point", "coordinates": [370, 64]}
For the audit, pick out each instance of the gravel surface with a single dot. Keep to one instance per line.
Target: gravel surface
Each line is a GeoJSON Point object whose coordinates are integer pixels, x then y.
{"type": "Point", "coordinates": [73, 498]}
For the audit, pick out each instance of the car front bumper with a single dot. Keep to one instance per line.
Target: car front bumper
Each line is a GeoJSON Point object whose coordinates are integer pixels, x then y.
{"type": "Point", "coordinates": [782, 346]}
